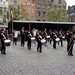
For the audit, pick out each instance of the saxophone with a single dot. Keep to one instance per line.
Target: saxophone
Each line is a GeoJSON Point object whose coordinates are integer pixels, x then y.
{"type": "Point", "coordinates": [71, 38]}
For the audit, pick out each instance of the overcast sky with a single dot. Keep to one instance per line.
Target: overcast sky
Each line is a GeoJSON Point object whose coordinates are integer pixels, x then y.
{"type": "Point", "coordinates": [70, 2]}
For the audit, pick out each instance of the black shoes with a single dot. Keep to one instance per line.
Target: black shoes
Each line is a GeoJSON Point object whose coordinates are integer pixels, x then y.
{"type": "Point", "coordinates": [70, 54]}
{"type": "Point", "coordinates": [3, 53]}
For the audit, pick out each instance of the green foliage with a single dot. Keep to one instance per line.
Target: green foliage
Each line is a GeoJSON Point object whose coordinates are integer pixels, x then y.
{"type": "Point", "coordinates": [19, 12]}
{"type": "Point", "coordinates": [57, 15]}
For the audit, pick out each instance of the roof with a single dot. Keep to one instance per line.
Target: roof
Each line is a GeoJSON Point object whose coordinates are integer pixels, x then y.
{"type": "Point", "coordinates": [48, 22]}
{"type": "Point", "coordinates": [1, 26]}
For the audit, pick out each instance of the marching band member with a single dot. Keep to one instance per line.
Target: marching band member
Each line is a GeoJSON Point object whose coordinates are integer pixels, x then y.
{"type": "Point", "coordinates": [71, 43]}
{"type": "Point", "coordinates": [61, 40]}
{"type": "Point", "coordinates": [34, 31]}
{"type": "Point", "coordinates": [2, 38]}
{"type": "Point", "coordinates": [22, 36]}
{"type": "Point", "coordinates": [39, 44]}
{"type": "Point", "coordinates": [50, 32]}
{"type": "Point", "coordinates": [29, 35]}
{"type": "Point", "coordinates": [67, 38]}
{"type": "Point", "coordinates": [54, 41]}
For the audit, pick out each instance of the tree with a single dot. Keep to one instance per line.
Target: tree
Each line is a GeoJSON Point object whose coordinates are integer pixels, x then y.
{"type": "Point", "coordinates": [19, 12]}
{"type": "Point", "coordinates": [57, 15]}
{"type": "Point", "coordinates": [24, 13]}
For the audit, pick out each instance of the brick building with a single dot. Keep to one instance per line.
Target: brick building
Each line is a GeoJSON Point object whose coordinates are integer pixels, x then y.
{"type": "Point", "coordinates": [38, 8]}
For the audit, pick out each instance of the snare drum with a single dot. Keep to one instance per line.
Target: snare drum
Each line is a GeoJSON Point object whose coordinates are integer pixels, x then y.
{"type": "Point", "coordinates": [47, 37]}
{"type": "Point", "coordinates": [57, 39]}
{"type": "Point", "coordinates": [63, 37]}
{"type": "Point", "coordinates": [43, 41]}
{"type": "Point", "coordinates": [33, 38]}
{"type": "Point", "coordinates": [7, 42]}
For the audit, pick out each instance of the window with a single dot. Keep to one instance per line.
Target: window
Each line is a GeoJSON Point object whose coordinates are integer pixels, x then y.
{"type": "Point", "coordinates": [64, 7]}
{"type": "Point", "coordinates": [38, 13]}
{"type": "Point", "coordinates": [28, 3]}
{"type": "Point", "coordinates": [32, 10]}
{"type": "Point", "coordinates": [38, 5]}
{"type": "Point", "coordinates": [49, 6]}
{"type": "Point", "coordinates": [71, 8]}
{"type": "Point", "coordinates": [44, 5]}
{"type": "Point", "coordinates": [59, 1]}
{"type": "Point", "coordinates": [38, 19]}
{"type": "Point", "coordinates": [55, 6]}
{"type": "Point", "coordinates": [15, 2]}
{"type": "Point", "coordinates": [44, 13]}
{"type": "Point", "coordinates": [32, 17]}
{"type": "Point", "coordinates": [59, 6]}
{"type": "Point", "coordinates": [74, 8]}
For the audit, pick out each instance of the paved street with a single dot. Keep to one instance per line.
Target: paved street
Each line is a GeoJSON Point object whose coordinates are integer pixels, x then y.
{"type": "Point", "coordinates": [21, 61]}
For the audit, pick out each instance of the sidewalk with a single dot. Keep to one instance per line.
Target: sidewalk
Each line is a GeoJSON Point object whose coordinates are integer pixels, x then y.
{"type": "Point", "coordinates": [21, 61]}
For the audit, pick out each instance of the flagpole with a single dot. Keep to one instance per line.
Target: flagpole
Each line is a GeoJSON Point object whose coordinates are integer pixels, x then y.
{"type": "Point", "coordinates": [12, 29]}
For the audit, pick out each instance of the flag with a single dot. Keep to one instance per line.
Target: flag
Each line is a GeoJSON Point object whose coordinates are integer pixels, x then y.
{"type": "Point", "coordinates": [72, 17]}
{"type": "Point", "coordinates": [11, 15]}
{"type": "Point", "coordinates": [7, 15]}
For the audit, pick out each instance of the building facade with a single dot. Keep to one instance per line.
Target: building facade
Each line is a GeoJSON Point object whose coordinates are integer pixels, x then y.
{"type": "Point", "coordinates": [42, 6]}
{"type": "Point", "coordinates": [27, 5]}
{"type": "Point", "coordinates": [71, 13]}
{"type": "Point", "coordinates": [3, 9]}
{"type": "Point", "coordinates": [38, 8]}
{"type": "Point", "coordinates": [59, 4]}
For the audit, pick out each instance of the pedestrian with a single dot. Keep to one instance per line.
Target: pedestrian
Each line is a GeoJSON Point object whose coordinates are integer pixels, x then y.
{"type": "Point", "coordinates": [15, 37]}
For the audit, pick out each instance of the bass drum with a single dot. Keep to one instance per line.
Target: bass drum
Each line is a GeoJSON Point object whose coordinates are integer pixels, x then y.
{"type": "Point", "coordinates": [7, 42]}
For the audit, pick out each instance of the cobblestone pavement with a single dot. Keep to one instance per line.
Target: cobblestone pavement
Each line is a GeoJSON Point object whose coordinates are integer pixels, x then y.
{"type": "Point", "coordinates": [21, 61]}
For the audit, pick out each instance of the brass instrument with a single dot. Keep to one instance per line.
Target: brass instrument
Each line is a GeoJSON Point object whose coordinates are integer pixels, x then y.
{"type": "Point", "coordinates": [72, 38]}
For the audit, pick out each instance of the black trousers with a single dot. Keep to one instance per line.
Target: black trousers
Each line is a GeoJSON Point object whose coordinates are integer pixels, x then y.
{"type": "Point", "coordinates": [29, 44]}
{"type": "Point", "coordinates": [70, 51]}
{"type": "Point", "coordinates": [61, 40]}
{"type": "Point", "coordinates": [39, 47]}
{"type": "Point", "coordinates": [22, 41]}
{"type": "Point", "coordinates": [3, 49]}
{"type": "Point", "coordinates": [15, 41]}
{"type": "Point", "coordinates": [54, 43]}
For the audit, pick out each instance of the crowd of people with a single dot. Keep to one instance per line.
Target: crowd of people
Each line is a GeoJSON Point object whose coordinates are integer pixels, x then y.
{"type": "Point", "coordinates": [44, 36]}
{"type": "Point", "coordinates": [41, 37]}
